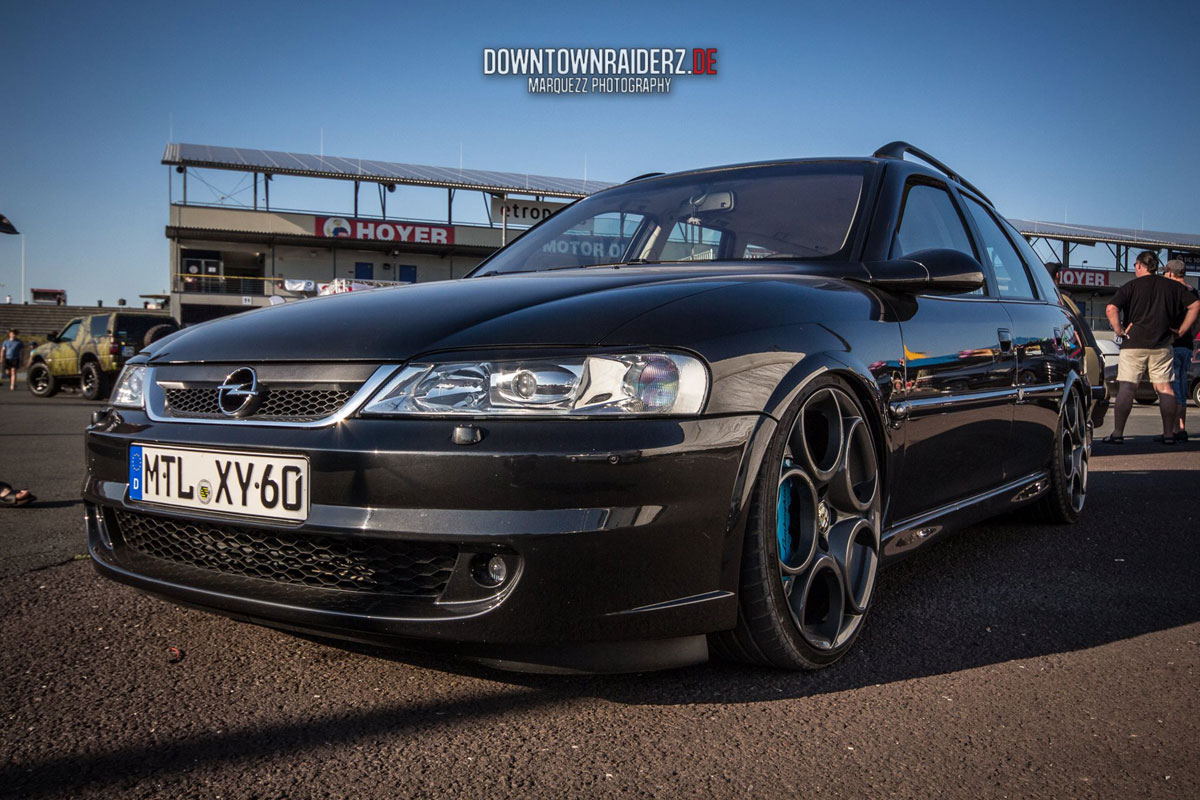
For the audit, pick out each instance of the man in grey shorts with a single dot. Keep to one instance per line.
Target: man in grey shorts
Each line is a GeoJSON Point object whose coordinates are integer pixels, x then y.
{"type": "Point", "coordinates": [1155, 310]}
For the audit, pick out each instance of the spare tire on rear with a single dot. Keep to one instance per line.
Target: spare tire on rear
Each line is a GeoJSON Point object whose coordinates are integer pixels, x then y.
{"type": "Point", "coordinates": [158, 332]}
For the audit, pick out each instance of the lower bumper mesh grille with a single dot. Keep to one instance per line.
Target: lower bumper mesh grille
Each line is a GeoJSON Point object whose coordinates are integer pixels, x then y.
{"type": "Point", "coordinates": [413, 569]}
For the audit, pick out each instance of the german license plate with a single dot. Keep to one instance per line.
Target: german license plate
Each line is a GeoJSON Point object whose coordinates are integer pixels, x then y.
{"type": "Point", "coordinates": [253, 484]}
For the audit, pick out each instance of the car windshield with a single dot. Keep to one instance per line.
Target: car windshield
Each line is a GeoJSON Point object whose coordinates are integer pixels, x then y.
{"type": "Point", "coordinates": [800, 210]}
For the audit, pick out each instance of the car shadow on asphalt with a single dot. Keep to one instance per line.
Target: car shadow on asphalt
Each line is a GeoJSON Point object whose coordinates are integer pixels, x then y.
{"type": "Point", "coordinates": [997, 592]}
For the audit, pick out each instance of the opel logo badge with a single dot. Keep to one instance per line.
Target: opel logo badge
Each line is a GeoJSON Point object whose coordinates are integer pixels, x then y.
{"type": "Point", "coordinates": [239, 395]}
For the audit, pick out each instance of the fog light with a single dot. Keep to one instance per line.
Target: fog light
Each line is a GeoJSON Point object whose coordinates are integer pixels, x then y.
{"type": "Point", "coordinates": [497, 570]}
{"type": "Point", "coordinates": [489, 570]}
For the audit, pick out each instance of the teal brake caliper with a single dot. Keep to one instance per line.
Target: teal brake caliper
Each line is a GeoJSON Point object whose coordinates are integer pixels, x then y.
{"type": "Point", "coordinates": [783, 521]}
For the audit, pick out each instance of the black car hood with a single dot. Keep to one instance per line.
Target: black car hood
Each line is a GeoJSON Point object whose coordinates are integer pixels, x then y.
{"type": "Point", "coordinates": [568, 308]}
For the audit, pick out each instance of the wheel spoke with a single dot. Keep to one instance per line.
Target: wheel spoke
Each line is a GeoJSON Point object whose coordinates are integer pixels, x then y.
{"type": "Point", "coordinates": [852, 489]}
{"type": "Point", "coordinates": [819, 444]}
{"type": "Point", "coordinates": [1068, 456]}
{"type": "Point", "coordinates": [818, 604]}
{"type": "Point", "coordinates": [854, 547]}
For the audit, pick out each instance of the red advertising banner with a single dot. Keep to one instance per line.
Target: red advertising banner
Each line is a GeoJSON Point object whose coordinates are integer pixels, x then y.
{"type": "Point", "coordinates": [1083, 277]}
{"type": "Point", "coordinates": [376, 230]}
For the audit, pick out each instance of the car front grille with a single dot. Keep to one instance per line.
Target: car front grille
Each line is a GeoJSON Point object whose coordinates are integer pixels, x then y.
{"type": "Point", "coordinates": [299, 405]}
{"type": "Point", "coordinates": [378, 566]}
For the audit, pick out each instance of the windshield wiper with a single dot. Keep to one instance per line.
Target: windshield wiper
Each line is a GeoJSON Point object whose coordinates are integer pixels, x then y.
{"type": "Point", "coordinates": [614, 264]}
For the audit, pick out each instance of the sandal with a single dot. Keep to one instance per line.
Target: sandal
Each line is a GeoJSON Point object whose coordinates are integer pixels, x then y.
{"type": "Point", "coordinates": [1165, 439]}
{"type": "Point", "coordinates": [14, 499]}
{"type": "Point", "coordinates": [1112, 438]}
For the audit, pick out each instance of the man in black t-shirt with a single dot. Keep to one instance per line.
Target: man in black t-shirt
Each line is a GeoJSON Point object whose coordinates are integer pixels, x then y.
{"type": "Point", "coordinates": [1155, 309]}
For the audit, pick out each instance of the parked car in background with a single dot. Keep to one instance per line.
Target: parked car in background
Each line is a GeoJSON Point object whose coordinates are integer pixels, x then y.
{"type": "Point", "coordinates": [89, 351]}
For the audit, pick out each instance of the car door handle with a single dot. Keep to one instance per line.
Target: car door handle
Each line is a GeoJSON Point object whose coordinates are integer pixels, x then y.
{"type": "Point", "coordinates": [1005, 339]}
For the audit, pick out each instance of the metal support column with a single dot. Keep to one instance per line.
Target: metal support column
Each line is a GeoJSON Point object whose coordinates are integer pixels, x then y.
{"type": "Point", "coordinates": [503, 220]}
{"type": "Point", "coordinates": [356, 199]}
{"type": "Point", "coordinates": [185, 186]}
{"type": "Point", "coordinates": [449, 206]}
{"type": "Point", "coordinates": [267, 189]}
{"type": "Point", "coordinates": [256, 191]}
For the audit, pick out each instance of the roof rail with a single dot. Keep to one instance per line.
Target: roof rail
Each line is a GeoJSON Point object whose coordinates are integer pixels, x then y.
{"type": "Point", "coordinates": [647, 175]}
{"type": "Point", "coordinates": [898, 150]}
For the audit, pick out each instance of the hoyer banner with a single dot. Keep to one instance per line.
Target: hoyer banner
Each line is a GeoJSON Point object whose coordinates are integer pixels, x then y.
{"type": "Point", "coordinates": [377, 230]}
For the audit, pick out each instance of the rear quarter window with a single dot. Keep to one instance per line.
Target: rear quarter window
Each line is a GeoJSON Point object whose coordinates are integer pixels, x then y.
{"type": "Point", "coordinates": [131, 329]}
{"type": "Point", "coordinates": [99, 326]}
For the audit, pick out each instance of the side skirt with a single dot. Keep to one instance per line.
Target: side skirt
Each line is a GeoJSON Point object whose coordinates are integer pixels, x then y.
{"type": "Point", "coordinates": [908, 535]}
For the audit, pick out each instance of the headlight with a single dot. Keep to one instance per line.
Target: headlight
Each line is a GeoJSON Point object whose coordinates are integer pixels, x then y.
{"type": "Point", "coordinates": [130, 389]}
{"type": "Point", "coordinates": [641, 383]}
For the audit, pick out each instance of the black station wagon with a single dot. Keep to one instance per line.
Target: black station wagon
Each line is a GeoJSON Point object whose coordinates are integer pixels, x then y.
{"type": "Point", "coordinates": [693, 413]}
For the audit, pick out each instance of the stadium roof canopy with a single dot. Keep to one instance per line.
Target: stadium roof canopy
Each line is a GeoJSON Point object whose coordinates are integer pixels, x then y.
{"type": "Point", "coordinates": [1093, 234]}
{"type": "Point", "coordinates": [275, 162]}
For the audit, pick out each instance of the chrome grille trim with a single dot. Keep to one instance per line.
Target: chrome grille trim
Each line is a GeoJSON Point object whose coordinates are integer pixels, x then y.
{"type": "Point", "coordinates": [156, 405]}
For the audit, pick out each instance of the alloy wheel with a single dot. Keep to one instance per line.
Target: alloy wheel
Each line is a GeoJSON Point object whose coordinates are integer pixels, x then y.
{"type": "Point", "coordinates": [827, 519]}
{"type": "Point", "coordinates": [1076, 450]}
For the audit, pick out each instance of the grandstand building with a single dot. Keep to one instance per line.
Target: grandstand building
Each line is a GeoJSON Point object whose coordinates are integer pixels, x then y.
{"type": "Point", "coordinates": [229, 256]}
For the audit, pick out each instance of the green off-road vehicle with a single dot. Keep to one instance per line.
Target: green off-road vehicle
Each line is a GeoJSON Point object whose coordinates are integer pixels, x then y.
{"type": "Point", "coordinates": [90, 351]}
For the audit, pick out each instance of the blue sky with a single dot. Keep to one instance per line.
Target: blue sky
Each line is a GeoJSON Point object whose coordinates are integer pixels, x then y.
{"type": "Point", "coordinates": [1087, 112]}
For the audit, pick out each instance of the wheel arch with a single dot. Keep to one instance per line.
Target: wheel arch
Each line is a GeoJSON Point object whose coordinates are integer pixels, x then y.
{"type": "Point", "coordinates": [1075, 381]}
{"type": "Point", "coordinates": [858, 377]}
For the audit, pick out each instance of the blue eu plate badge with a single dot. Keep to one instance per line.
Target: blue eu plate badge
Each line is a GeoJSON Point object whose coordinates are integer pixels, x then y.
{"type": "Point", "coordinates": [135, 472]}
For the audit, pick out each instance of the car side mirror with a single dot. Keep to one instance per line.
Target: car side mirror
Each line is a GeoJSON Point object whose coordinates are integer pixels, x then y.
{"type": "Point", "coordinates": [939, 271]}
{"type": "Point", "coordinates": [52, 337]}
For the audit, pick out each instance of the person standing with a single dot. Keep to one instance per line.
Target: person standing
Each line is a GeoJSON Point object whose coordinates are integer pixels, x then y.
{"type": "Point", "coordinates": [1153, 306]}
{"type": "Point", "coordinates": [1184, 343]}
{"type": "Point", "coordinates": [13, 348]}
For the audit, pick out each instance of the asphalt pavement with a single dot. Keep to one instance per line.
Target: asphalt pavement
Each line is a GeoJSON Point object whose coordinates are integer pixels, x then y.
{"type": "Point", "coordinates": [1008, 661]}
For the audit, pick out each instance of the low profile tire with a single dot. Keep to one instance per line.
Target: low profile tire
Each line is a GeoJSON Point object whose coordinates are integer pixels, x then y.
{"type": "Point", "coordinates": [41, 382]}
{"type": "Point", "coordinates": [1062, 504]}
{"type": "Point", "coordinates": [1196, 394]}
{"type": "Point", "coordinates": [811, 551]}
{"type": "Point", "coordinates": [93, 383]}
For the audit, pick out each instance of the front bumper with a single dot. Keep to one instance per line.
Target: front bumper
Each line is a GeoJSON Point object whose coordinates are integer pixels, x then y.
{"type": "Point", "coordinates": [622, 536]}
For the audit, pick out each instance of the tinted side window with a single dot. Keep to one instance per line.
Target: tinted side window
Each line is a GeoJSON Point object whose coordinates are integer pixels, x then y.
{"type": "Point", "coordinates": [71, 331]}
{"type": "Point", "coordinates": [929, 220]}
{"type": "Point", "coordinates": [1037, 267]}
{"type": "Point", "coordinates": [99, 326]}
{"type": "Point", "coordinates": [1011, 279]}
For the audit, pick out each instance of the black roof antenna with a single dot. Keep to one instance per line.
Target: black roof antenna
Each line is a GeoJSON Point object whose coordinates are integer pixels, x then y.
{"type": "Point", "coordinates": [898, 150]}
